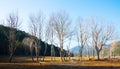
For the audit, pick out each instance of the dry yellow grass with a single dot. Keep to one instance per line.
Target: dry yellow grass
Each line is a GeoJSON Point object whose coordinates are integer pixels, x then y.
{"type": "Point", "coordinates": [26, 63]}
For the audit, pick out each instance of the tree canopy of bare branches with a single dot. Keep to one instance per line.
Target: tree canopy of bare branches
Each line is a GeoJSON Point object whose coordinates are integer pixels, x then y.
{"type": "Point", "coordinates": [50, 35]}
{"type": "Point", "coordinates": [101, 34]}
{"type": "Point", "coordinates": [82, 34]}
{"type": "Point", "coordinates": [13, 22]}
{"type": "Point", "coordinates": [61, 27]}
{"type": "Point", "coordinates": [36, 28]}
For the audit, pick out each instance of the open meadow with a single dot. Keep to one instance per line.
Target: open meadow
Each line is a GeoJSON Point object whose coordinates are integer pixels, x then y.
{"type": "Point", "coordinates": [59, 34]}
{"type": "Point", "coordinates": [26, 63]}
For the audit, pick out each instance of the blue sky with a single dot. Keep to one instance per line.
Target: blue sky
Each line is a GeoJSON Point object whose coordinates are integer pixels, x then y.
{"type": "Point", "coordinates": [106, 9]}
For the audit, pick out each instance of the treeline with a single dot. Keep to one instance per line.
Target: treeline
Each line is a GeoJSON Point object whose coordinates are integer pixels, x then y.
{"type": "Point", "coordinates": [4, 44]}
{"type": "Point", "coordinates": [59, 28]}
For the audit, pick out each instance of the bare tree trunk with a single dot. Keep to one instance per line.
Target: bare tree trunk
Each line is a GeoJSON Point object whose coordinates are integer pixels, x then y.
{"type": "Point", "coordinates": [68, 47]}
{"type": "Point", "coordinates": [45, 51]}
{"type": "Point", "coordinates": [93, 46]}
{"type": "Point", "coordinates": [88, 52]}
{"type": "Point", "coordinates": [31, 52]}
{"type": "Point", "coordinates": [61, 55]}
{"type": "Point", "coordinates": [69, 55]}
{"type": "Point", "coordinates": [32, 56]}
{"type": "Point", "coordinates": [52, 53]}
{"type": "Point", "coordinates": [81, 53]}
{"type": "Point", "coordinates": [98, 55]}
{"type": "Point", "coordinates": [37, 53]}
{"type": "Point", "coordinates": [93, 52]}
{"type": "Point", "coordinates": [11, 55]}
{"type": "Point", "coordinates": [61, 51]}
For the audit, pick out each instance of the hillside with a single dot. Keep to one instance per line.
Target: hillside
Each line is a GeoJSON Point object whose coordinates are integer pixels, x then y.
{"type": "Point", "coordinates": [4, 42]}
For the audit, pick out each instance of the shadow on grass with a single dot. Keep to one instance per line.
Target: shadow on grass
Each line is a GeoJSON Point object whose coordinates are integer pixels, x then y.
{"type": "Point", "coordinates": [18, 66]}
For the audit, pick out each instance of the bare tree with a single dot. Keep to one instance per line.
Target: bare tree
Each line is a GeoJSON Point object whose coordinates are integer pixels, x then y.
{"type": "Point", "coordinates": [49, 37]}
{"type": "Point", "coordinates": [47, 31]}
{"type": "Point", "coordinates": [82, 36]}
{"type": "Point", "coordinates": [40, 26]}
{"type": "Point", "coordinates": [31, 42]}
{"type": "Point", "coordinates": [100, 35]}
{"type": "Point", "coordinates": [51, 30]}
{"type": "Point", "coordinates": [61, 27]}
{"type": "Point", "coordinates": [87, 48]}
{"type": "Point", "coordinates": [33, 30]}
{"type": "Point", "coordinates": [68, 47]}
{"type": "Point", "coordinates": [36, 30]}
{"type": "Point", "coordinates": [13, 22]}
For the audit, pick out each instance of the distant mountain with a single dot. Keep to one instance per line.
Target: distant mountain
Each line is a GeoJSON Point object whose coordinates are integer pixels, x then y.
{"type": "Point", "coordinates": [76, 50]}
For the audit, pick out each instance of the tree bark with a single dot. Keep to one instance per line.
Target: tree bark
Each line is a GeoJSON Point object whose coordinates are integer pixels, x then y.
{"type": "Point", "coordinates": [37, 53]}
{"type": "Point", "coordinates": [81, 54]}
{"type": "Point", "coordinates": [31, 51]}
{"type": "Point", "coordinates": [45, 51]}
{"type": "Point", "coordinates": [98, 55]}
{"type": "Point", "coordinates": [11, 56]}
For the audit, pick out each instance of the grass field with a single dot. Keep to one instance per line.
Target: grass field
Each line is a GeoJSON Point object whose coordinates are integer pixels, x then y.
{"type": "Point", "coordinates": [26, 63]}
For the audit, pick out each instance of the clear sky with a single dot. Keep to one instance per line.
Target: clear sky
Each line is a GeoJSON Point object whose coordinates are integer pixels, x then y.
{"type": "Point", "coordinates": [107, 9]}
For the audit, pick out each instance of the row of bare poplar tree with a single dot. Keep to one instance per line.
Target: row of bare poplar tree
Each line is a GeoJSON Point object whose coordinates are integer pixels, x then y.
{"type": "Point", "coordinates": [60, 28]}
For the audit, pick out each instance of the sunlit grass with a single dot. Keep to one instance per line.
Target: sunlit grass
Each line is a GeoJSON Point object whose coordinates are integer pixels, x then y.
{"type": "Point", "coordinates": [20, 62]}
